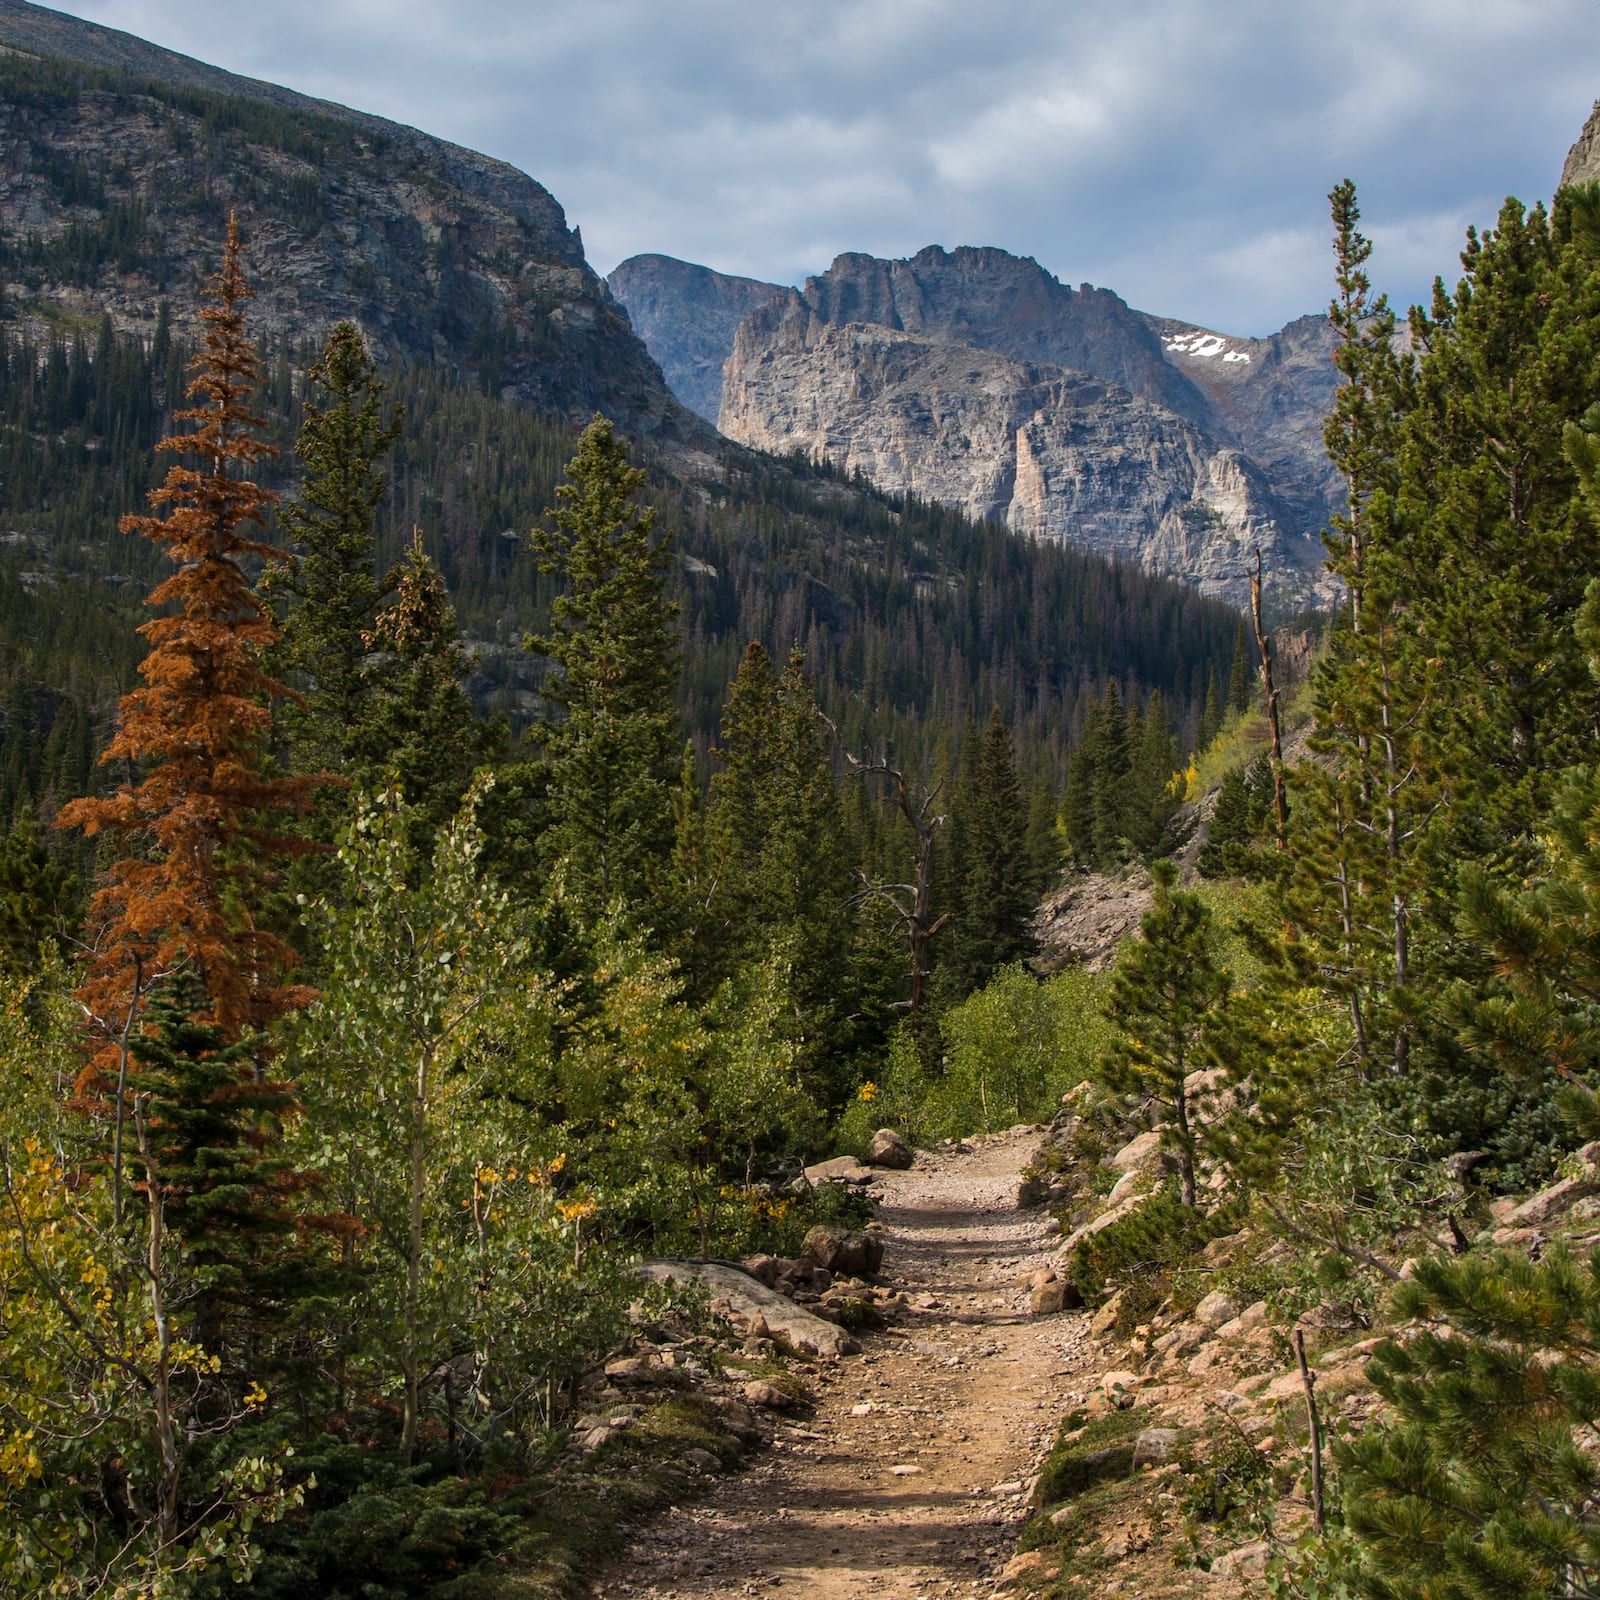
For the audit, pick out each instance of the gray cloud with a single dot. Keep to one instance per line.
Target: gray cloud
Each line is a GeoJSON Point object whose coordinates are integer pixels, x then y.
{"type": "Point", "coordinates": [1177, 151]}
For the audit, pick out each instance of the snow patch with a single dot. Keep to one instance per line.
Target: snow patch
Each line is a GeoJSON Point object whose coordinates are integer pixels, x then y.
{"type": "Point", "coordinates": [1204, 346]}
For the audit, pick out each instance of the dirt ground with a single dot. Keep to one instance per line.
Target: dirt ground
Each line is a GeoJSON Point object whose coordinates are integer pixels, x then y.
{"type": "Point", "coordinates": [912, 1477]}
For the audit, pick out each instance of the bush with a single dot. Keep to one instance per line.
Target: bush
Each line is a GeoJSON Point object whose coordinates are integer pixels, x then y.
{"type": "Point", "coordinates": [1143, 1250]}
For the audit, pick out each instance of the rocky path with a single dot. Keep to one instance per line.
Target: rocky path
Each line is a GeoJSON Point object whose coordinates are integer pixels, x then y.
{"type": "Point", "coordinates": [912, 1476]}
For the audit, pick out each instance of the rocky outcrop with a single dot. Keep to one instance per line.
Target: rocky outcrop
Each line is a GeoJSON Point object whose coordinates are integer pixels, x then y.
{"type": "Point", "coordinates": [116, 182]}
{"type": "Point", "coordinates": [1583, 159]}
{"type": "Point", "coordinates": [973, 378]}
{"type": "Point", "coordinates": [1269, 396]}
{"type": "Point", "coordinates": [1052, 454]}
{"type": "Point", "coordinates": [687, 316]}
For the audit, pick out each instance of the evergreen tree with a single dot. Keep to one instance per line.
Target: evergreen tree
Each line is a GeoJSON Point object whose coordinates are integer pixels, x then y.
{"type": "Point", "coordinates": [1482, 1486]}
{"type": "Point", "coordinates": [1239, 676]}
{"type": "Point", "coordinates": [1168, 1000]}
{"type": "Point", "coordinates": [992, 926]}
{"type": "Point", "coordinates": [612, 643]}
{"type": "Point", "coordinates": [330, 580]}
{"type": "Point", "coordinates": [1210, 716]}
{"type": "Point", "coordinates": [38, 896]}
{"type": "Point", "coordinates": [1111, 765]}
{"type": "Point", "coordinates": [418, 735]}
{"type": "Point", "coordinates": [198, 727]}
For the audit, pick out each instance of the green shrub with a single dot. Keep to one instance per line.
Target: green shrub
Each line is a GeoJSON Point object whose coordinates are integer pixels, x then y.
{"type": "Point", "coordinates": [1141, 1251]}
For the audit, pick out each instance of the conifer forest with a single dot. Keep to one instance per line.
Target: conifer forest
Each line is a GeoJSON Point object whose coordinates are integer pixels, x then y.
{"type": "Point", "coordinates": [458, 875]}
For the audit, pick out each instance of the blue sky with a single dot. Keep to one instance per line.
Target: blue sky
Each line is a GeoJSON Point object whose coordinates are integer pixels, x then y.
{"type": "Point", "coordinates": [1177, 151]}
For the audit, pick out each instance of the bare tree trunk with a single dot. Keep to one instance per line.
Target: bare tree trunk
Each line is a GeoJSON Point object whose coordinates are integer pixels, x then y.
{"type": "Point", "coordinates": [1280, 798]}
{"type": "Point", "coordinates": [1309, 1380]}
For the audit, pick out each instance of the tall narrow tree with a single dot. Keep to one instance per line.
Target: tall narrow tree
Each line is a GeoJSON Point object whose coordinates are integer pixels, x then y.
{"type": "Point", "coordinates": [201, 812]}
{"type": "Point", "coordinates": [615, 651]}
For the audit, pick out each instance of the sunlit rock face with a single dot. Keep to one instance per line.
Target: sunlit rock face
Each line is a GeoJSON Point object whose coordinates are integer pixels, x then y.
{"type": "Point", "coordinates": [974, 378]}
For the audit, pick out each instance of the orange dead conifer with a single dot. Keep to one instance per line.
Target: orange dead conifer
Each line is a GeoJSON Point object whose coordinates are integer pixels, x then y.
{"type": "Point", "coordinates": [200, 814]}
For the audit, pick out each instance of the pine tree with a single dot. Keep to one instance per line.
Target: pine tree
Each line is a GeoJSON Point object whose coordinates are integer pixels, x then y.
{"type": "Point", "coordinates": [417, 734]}
{"type": "Point", "coordinates": [199, 726]}
{"type": "Point", "coordinates": [38, 896]}
{"type": "Point", "coordinates": [330, 580]}
{"type": "Point", "coordinates": [1239, 676]}
{"type": "Point", "coordinates": [992, 927]}
{"type": "Point", "coordinates": [1168, 1000]}
{"type": "Point", "coordinates": [612, 642]}
{"type": "Point", "coordinates": [1482, 1486]}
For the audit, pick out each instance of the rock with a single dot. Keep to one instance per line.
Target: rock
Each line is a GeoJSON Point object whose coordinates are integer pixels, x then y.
{"type": "Point", "coordinates": [1032, 1192]}
{"type": "Point", "coordinates": [1553, 1202]}
{"type": "Point", "coordinates": [1136, 1152]}
{"type": "Point", "coordinates": [843, 1253]}
{"type": "Point", "coordinates": [639, 1371]}
{"type": "Point", "coordinates": [1247, 1561]}
{"type": "Point", "coordinates": [842, 1169]}
{"type": "Point", "coordinates": [975, 378]}
{"type": "Point", "coordinates": [1049, 1298]}
{"type": "Point", "coordinates": [700, 1461]}
{"type": "Point", "coordinates": [888, 1149]}
{"type": "Point", "coordinates": [1215, 1310]}
{"type": "Point", "coordinates": [1106, 1317]}
{"type": "Point", "coordinates": [1463, 1162]}
{"type": "Point", "coordinates": [1583, 159]}
{"type": "Point", "coordinates": [1030, 1564]}
{"type": "Point", "coordinates": [1250, 1320]}
{"type": "Point", "coordinates": [905, 1470]}
{"type": "Point", "coordinates": [1123, 1188]}
{"type": "Point", "coordinates": [594, 1438]}
{"type": "Point", "coordinates": [762, 1392]}
{"type": "Point", "coordinates": [751, 1302]}
{"type": "Point", "coordinates": [687, 316]}
{"type": "Point", "coordinates": [1100, 1223]}
{"type": "Point", "coordinates": [1154, 1446]}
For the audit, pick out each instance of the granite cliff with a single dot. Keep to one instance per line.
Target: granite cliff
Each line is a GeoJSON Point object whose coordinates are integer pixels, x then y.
{"type": "Point", "coordinates": [687, 317]}
{"type": "Point", "coordinates": [1583, 159]}
{"type": "Point", "coordinates": [117, 174]}
{"type": "Point", "coordinates": [1051, 453]}
{"type": "Point", "coordinates": [973, 378]}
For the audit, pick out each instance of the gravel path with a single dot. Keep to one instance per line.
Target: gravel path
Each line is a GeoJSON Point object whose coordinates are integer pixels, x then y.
{"type": "Point", "coordinates": [912, 1477]}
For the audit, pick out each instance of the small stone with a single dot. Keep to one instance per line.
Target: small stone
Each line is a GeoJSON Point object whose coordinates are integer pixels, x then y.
{"type": "Point", "coordinates": [863, 1410]}
{"type": "Point", "coordinates": [905, 1470]}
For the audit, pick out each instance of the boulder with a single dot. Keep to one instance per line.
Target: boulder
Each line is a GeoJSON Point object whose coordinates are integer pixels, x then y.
{"type": "Point", "coordinates": [1553, 1202]}
{"type": "Point", "coordinates": [1032, 1192]}
{"type": "Point", "coordinates": [767, 1395]}
{"type": "Point", "coordinates": [1215, 1310]}
{"type": "Point", "coordinates": [1154, 1447]}
{"type": "Point", "coordinates": [843, 1253]}
{"type": "Point", "coordinates": [1247, 1561]}
{"type": "Point", "coordinates": [1136, 1152]}
{"type": "Point", "coordinates": [752, 1303]}
{"type": "Point", "coordinates": [842, 1169]}
{"type": "Point", "coordinates": [1048, 1298]}
{"type": "Point", "coordinates": [1105, 1318]}
{"type": "Point", "coordinates": [888, 1149]}
{"type": "Point", "coordinates": [1250, 1320]}
{"type": "Point", "coordinates": [700, 1461]}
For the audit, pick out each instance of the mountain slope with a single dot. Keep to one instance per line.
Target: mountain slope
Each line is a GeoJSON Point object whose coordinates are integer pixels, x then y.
{"type": "Point", "coordinates": [687, 316]}
{"type": "Point", "coordinates": [1050, 452]}
{"type": "Point", "coordinates": [115, 184]}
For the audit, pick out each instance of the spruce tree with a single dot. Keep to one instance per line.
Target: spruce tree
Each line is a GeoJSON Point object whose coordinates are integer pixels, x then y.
{"type": "Point", "coordinates": [1168, 1000]}
{"type": "Point", "coordinates": [200, 813]}
{"type": "Point", "coordinates": [330, 582]}
{"type": "Point", "coordinates": [615, 657]}
{"type": "Point", "coordinates": [1239, 676]}
{"type": "Point", "coordinates": [992, 926]}
{"type": "Point", "coordinates": [417, 734]}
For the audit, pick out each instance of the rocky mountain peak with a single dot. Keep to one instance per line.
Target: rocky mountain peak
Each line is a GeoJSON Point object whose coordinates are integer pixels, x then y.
{"type": "Point", "coordinates": [1583, 159]}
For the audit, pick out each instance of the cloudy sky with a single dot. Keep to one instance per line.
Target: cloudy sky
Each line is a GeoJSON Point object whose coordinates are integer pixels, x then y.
{"type": "Point", "coordinates": [1177, 151]}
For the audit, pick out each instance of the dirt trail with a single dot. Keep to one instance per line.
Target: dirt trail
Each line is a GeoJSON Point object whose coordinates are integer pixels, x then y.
{"type": "Point", "coordinates": [964, 1395]}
